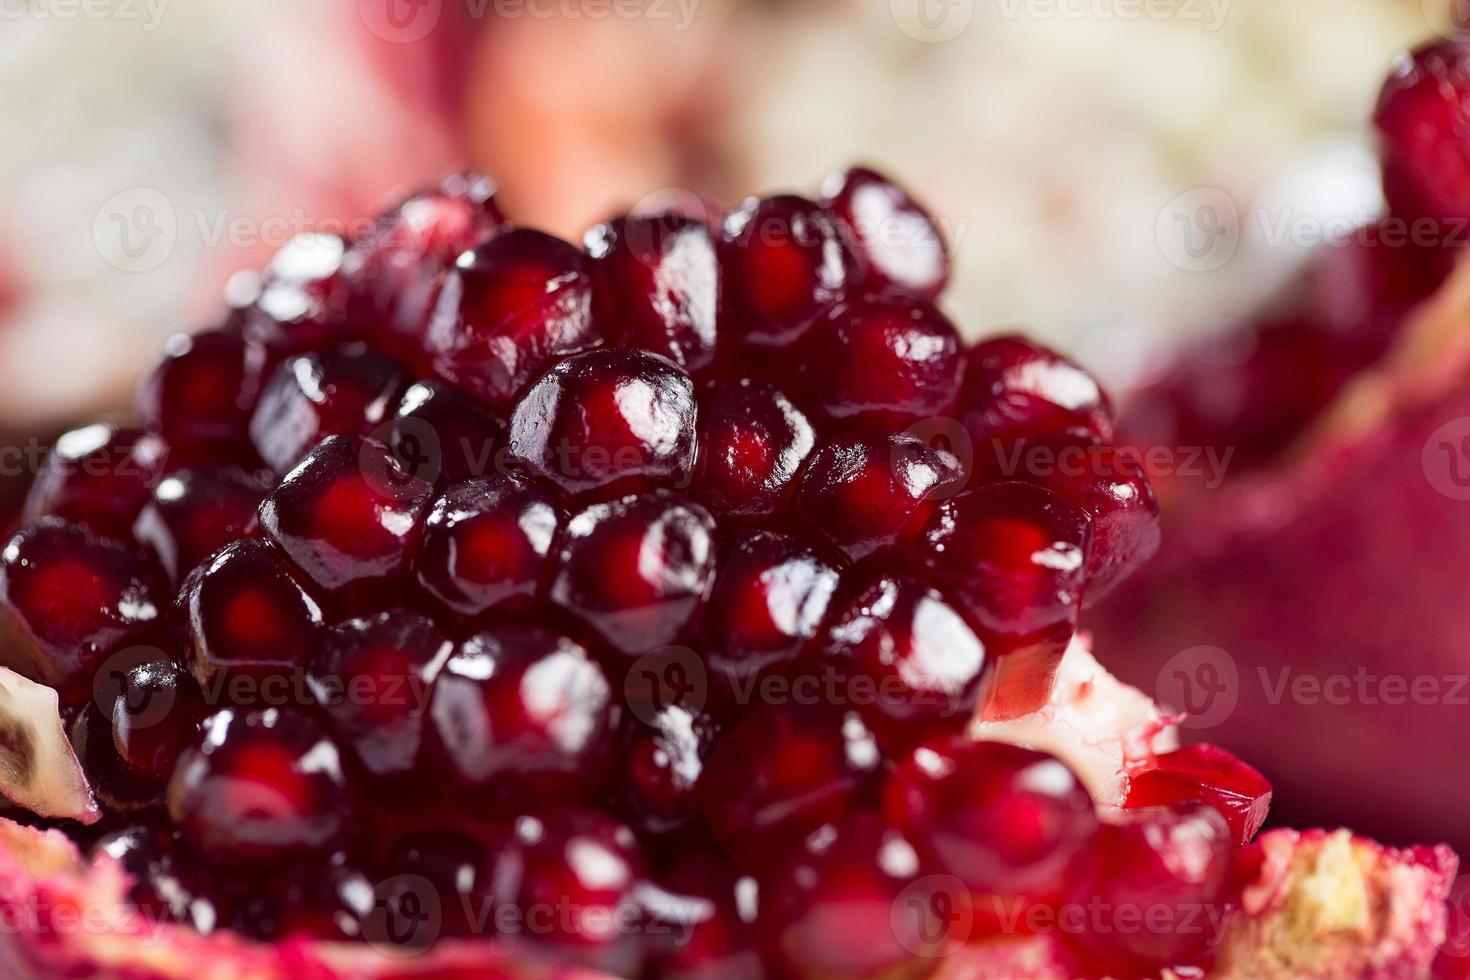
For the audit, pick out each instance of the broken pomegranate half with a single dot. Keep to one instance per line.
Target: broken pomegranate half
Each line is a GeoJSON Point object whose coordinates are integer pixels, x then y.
{"type": "Point", "coordinates": [650, 611]}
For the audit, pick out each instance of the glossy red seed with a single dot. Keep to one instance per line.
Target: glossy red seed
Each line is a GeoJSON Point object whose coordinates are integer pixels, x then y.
{"type": "Point", "coordinates": [898, 239]}
{"type": "Point", "coordinates": [1016, 388]}
{"type": "Point", "coordinates": [1007, 822]}
{"type": "Point", "coordinates": [439, 434]}
{"type": "Point", "coordinates": [769, 598]}
{"type": "Point", "coordinates": [155, 717]}
{"type": "Point", "coordinates": [1209, 774]}
{"type": "Point", "coordinates": [68, 599]}
{"type": "Point", "coordinates": [659, 285]}
{"type": "Point", "coordinates": [348, 390]}
{"type": "Point", "coordinates": [314, 901]}
{"type": "Point", "coordinates": [263, 789]}
{"type": "Point", "coordinates": [1014, 557]}
{"type": "Point", "coordinates": [842, 905]}
{"type": "Point", "coordinates": [866, 493]}
{"type": "Point", "coordinates": [700, 921]}
{"type": "Point", "coordinates": [165, 888]}
{"type": "Point", "coordinates": [637, 569]}
{"type": "Point", "coordinates": [1422, 117]}
{"type": "Point", "coordinates": [522, 713]}
{"type": "Point", "coordinates": [1155, 890]}
{"type": "Point", "coordinates": [908, 659]}
{"type": "Point", "coordinates": [348, 516]}
{"type": "Point", "coordinates": [372, 678]}
{"type": "Point", "coordinates": [883, 361]}
{"type": "Point", "coordinates": [752, 443]}
{"type": "Point", "coordinates": [512, 306]}
{"type": "Point", "coordinates": [786, 263]}
{"type": "Point", "coordinates": [242, 612]}
{"type": "Point", "coordinates": [487, 543]}
{"type": "Point", "coordinates": [200, 395]}
{"type": "Point", "coordinates": [609, 420]}
{"type": "Point", "coordinates": [194, 513]}
{"type": "Point", "coordinates": [303, 300]}
{"type": "Point", "coordinates": [664, 762]}
{"type": "Point", "coordinates": [100, 475]}
{"type": "Point", "coordinates": [780, 772]}
{"type": "Point", "coordinates": [435, 870]}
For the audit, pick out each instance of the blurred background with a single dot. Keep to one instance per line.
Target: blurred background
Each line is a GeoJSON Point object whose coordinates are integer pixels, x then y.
{"type": "Point", "coordinates": [156, 146]}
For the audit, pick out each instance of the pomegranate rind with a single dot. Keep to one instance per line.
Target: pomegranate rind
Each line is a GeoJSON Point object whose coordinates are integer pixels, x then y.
{"type": "Point", "coordinates": [39, 771]}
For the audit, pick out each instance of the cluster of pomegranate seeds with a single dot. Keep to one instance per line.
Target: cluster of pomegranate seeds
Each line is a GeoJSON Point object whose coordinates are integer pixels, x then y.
{"type": "Point", "coordinates": [632, 601]}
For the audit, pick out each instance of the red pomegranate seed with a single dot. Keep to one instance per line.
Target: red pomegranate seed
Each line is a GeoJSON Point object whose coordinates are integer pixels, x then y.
{"type": "Point", "coordinates": [786, 263]}
{"type": "Point", "coordinates": [442, 868]}
{"type": "Point", "coordinates": [770, 595]}
{"type": "Point", "coordinates": [899, 240]}
{"type": "Point", "coordinates": [512, 306]}
{"type": "Point", "coordinates": [68, 599]}
{"type": "Point", "coordinates": [866, 493]}
{"type": "Point", "coordinates": [664, 762]}
{"type": "Point", "coordinates": [1422, 118]}
{"type": "Point", "coordinates": [306, 902]}
{"type": "Point", "coordinates": [609, 420]}
{"type": "Point", "coordinates": [200, 395]}
{"type": "Point", "coordinates": [752, 443]}
{"type": "Point", "coordinates": [1209, 774]}
{"type": "Point", "coordinates": [372, 678]}
{"type": "Point", "coordinates": [1153, 894]}
{"type": "Point", "coordinates": [658, 285]}
{"type": "Point", "coordinates": [155, 717]}
{"type": "Point", "coordinates": [882, 361]}
{"type": "Point", "coordinates": [1007, 822]}
{"type": "Point", "coordinates": [908, 658]}
{"type": "Point", "coordinates": [522, 713]}
{"type": "Point", "coordinates": [164, 887]}
{"type": "Point", "coordinates": [1015, 388]}
{"type": "Point", "coordinates": [263, 790]}
{"type": "Point", "coordinates": [1014, 556]}
{"type": "Point", "coordinates": [341, 391]}
{"type": "Point", "coordinates": [439, 433]}
{"type": "Point", "coordinates": [303, 300]}
{"type": "Point", "coordinates": [782, 771]}
{"type": "Point", "coordinates": [196, 512]}
{"type": "Point", "coordinates": [699, 919]}
{"type": "Point", "coordinates": [486, 544]}
{"type": "Point", "coordinates": [348, 516]}
{"type": "Point", "coordinates": [242, 612]}
{"type": "Point", "coordinates": [100, 476]}
{"type": "Point", "coordinates": [637, 569]}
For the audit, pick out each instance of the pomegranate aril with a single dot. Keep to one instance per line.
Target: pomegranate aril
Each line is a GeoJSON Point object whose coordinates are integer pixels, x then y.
{"type": "Point", "coordinates": [1156, 881]}
{"type": "Point", "coordinates": [659, 285]}
{"type": "Point", "coordinates": [163, 887]}
{"type": "Point", "coordinates": [911, 660]}
{"type": "Point", "coordinates": [1007, 822]}
{"type": "Point", "coordinates": [637, 569]}
{"type": "Point", "coordinates": [522, 713]}
{"type": "Point", "coordinates": [769, 598]}
{"type": "Point", "coordinates": [897, 238]}
{"type": "Point", "coordinates": [68, 599]}
{"type": "Point", "coordinates": [1422, 117]}
{"type": "Point", "coordinates": [155, 717]}
{"type": "Point", "coordinates": [700, 920]}
{"type": "Point", "coordinates": [664, 760]}
{"type": "Point", "coordinates": [372, 678]}
{"type": "Point", "coordinates": [1014, 557]}
{"type": "Point", "coordinates": [243, 613]}
{"type": "Point", "coordinates": [348, 390]}
{"type": "Point", "coordinates": [264, 789]}
{"type": "Point", "coordinates": [348, 516]}
{"type": "Point", "coordinates": [882, 361]}
{"type": "Point", "coordinates": [437, 867]}
{"type": "Point", "coordinates": [1016, 388]}
{"type": "Point", "coordinates": [201, 394]}
{"type": "Point", "coordinates": [1209, 774]}
{"type": "Point", "coordinates": [511, 307]}
{"type": "Point", "coordinates": [780, 772]}
{"type": "Point", "coordinates": [328, 903]}
{"type": "Point", "coordinates": [303, 300]}
{"type": "Point", "coordinates": [439, 434]}
{"type": "Point", "coordinates": [609, 420]}
{"type": "Point", "coordinates": [486, 544]}
{"type": "Point", "coordinates": [100, 476]}
{"type": "Point", "coordinates": [787, 261]}
{"type": "Point", "coordinates": [752, 443]}
{"type": "Point", "coordinates": [196, 512]}
{"type": "Point", "coordinates": [866, 493]}
{"type": "Point", "coordinates": [843, 905]}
